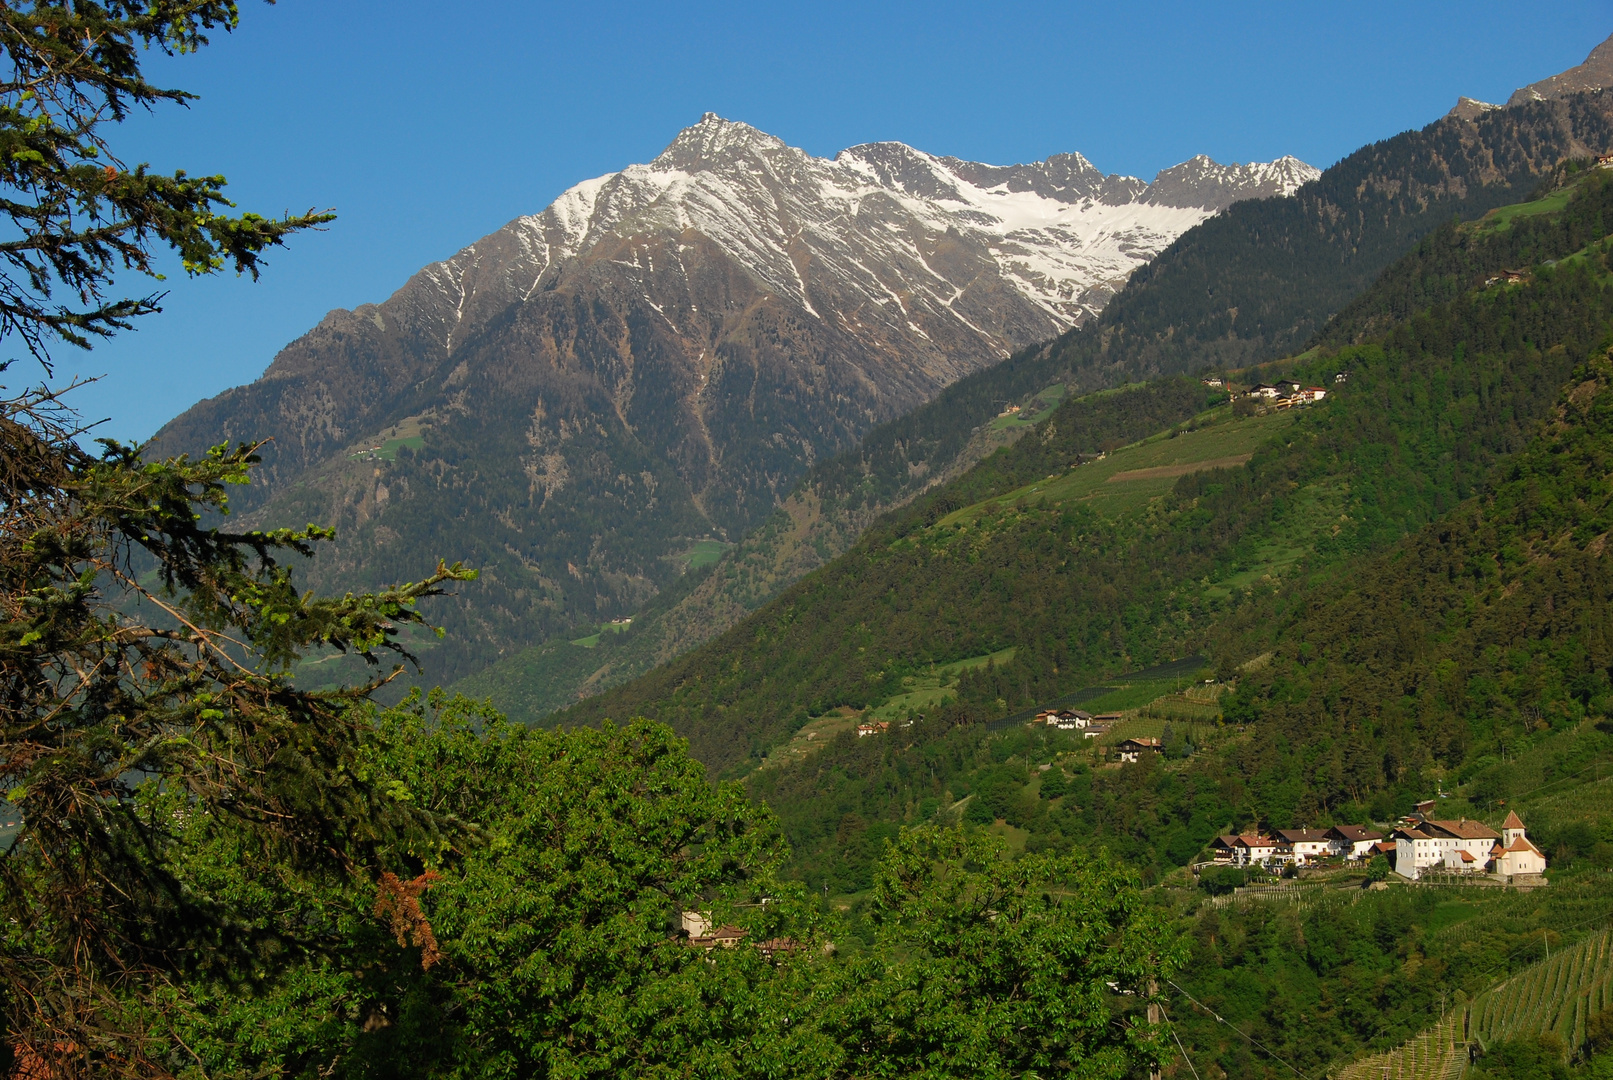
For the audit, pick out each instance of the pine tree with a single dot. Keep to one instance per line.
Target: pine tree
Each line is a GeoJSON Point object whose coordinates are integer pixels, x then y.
{"type": "Point", "coordinates": [145, 648]}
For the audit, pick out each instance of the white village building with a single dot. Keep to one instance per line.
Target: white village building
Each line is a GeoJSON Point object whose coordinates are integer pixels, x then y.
{"type": "Point", "coordinates": [1462, 844]}
{"type": "Point", "coordinates": [1353, 842]}
{"type": "Point", "coordinates": [1467, 846]}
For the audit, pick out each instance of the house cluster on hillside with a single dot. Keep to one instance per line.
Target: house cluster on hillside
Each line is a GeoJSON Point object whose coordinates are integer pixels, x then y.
{"type": "Point", "coordinates": [1285, 393]}
{"type": "Point", "coordinates": [1093, 727]}
{"type": "Point", "coordinates": [1300, 847]}
{"type": "Point", "coordinates": [1075, 720]}
{"type": "Point", "coordinates": [1419, 845]}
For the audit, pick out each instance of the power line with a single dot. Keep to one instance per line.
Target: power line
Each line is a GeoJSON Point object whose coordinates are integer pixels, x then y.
{"type": "Point", "coordinates": [1178, 1039]}
{"type": "Point", "coordinates": [1595, 764]}
{"type": "Point", "coordinates": [1251, 1039]}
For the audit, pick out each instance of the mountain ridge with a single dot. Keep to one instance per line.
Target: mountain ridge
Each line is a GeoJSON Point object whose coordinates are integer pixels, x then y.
{"type": "Point", "coordinates": [1261, 279]}
{"type": "Point", "coordinates": [1596, 73]}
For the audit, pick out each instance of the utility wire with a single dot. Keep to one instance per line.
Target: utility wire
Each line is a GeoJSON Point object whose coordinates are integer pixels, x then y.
{"type": "Point", "coordinates": [1251, 1039]}
{"type": "Point", "coordinates": [1178, 1039]}
{"type": "Point", "coordinates": [1595, 764]}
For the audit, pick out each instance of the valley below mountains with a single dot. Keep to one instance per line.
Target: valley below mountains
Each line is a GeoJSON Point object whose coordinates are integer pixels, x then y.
{"type": "Point", "coordinates": [933, 619]}
{"type": "Point", "coordinates": [576, 402]}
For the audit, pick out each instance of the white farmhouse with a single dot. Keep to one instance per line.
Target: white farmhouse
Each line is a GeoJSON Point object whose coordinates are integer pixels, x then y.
{"type": "Point", "coordinates": [1251, 850]}
{"type": "Point", "coordinates": [1431, 844]}
{"type": "Point", "coordinates": [1300, 846]}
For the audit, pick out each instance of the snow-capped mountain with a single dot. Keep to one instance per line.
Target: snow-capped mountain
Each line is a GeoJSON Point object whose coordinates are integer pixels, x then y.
{"type": "Point", "coordinates": [875, 233]}
{"type": "Point", "coordinates": [661, 353]}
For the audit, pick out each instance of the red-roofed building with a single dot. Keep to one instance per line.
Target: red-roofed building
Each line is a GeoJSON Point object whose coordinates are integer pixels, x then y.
{"type": "Point", "coordinates": [1515, 855]}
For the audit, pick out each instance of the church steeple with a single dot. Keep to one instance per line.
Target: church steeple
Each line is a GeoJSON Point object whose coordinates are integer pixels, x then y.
{"type": "Point", "coordinates": [1511, 829]}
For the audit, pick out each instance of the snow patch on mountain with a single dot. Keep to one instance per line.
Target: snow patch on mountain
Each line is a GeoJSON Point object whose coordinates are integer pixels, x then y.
{"type": "Point", "coordinates": [888, 233]}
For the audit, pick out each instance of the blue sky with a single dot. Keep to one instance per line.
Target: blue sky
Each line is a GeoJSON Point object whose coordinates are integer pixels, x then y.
{"type": "Point", "coordinates": [426, 126]}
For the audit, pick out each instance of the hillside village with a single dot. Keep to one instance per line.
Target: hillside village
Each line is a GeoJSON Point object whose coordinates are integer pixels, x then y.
{"type": "Point", "coordinates": [1283, 394]}
{"type": "Point", "coordinates": [1418, 846]}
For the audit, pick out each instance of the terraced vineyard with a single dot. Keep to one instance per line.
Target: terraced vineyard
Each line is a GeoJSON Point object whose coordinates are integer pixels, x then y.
{"type": "Point", "coordinates": [1559, 995]}
{"type": "Point", "coordinates": [1437, 1054]}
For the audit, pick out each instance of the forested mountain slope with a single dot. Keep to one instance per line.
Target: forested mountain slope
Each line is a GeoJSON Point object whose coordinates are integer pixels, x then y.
{"type": "Point", "coordinates": [1262, 279]}
{"type": "Point", "coordinates": [821, 518]}
{"type": "Point", "coordinates": [1491, 624]}
{"type": "Point", "coordinates": [1257, 281]}
{"type": "Point", "coordinates": [1080, 583]}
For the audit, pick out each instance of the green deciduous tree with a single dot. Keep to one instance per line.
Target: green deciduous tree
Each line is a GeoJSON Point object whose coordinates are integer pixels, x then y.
{"type": "Point", "coordinates": [559, 950]}
{"type": "Point", "coordinates": [993, 967]}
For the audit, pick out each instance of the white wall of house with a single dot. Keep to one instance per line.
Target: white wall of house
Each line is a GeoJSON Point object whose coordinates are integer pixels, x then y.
{"type": "Point", "coordinates": [1302, 852]}
{"type": "Point", "coordinates": [1520, 862]}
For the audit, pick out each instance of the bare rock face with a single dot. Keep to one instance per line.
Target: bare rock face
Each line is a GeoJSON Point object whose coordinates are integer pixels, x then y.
{"type": "Point", "coordinates": [1595, 73]}
{"type": "Point", "coordinates": [1467, 108]}
{"type": "Point", "coordinates": [656, 357]}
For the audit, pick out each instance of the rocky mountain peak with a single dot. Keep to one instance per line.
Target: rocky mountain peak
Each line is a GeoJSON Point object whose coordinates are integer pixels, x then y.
{"type": "Point", "coordinates": [1201, 182]}
{"type": "Point", "coordinates": [715, 142]}
{"type": "Point", "coordinates": [658, 355]}
{"type": "Point", "coordinates": [1595, 73]}
{"type": "Point", "coordinates": [1467, 108]}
